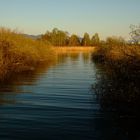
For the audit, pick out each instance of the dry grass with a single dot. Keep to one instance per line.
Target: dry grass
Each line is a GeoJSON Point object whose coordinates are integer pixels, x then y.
{"type": "Point", "coordinates": [19, 53]}
{"type": "Point", "coordinates": [118, 86]}
{"type": "Point", "coordinates": [73, 49]}
{"type": "Point", "coordinates": [123, 60]}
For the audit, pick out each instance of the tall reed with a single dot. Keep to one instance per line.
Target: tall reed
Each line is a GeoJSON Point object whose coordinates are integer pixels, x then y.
{"type": "Point", "coordinates": [123, 60]}
{"type": "Point", "coordinates": [118, 85]}
{"type": "Point", "coordinates": [19, 53]}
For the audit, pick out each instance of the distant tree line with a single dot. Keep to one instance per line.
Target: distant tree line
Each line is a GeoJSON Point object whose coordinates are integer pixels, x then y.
{"type": "Point", "coordinates": [62, 38]}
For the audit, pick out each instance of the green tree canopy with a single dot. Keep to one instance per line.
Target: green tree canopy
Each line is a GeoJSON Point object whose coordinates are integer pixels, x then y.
{"type": "Point", "coordinates": [74, 40]}
{"type": "Point", "coordinates": [86, 40]}
{"type": "Point", "coordinates": [95, 40]}
{"type": "Point", "coordinates": [56, 37]}
{"type": "Point", "coordinates": [115, 41]}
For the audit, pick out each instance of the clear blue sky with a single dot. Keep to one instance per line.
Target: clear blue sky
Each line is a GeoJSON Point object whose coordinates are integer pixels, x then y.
{"type": "Point", "coordinates": [107, 17]}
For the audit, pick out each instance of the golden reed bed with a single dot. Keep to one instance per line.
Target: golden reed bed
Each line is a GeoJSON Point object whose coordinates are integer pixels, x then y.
{"type": "Point", "coordinates": [73, 49]}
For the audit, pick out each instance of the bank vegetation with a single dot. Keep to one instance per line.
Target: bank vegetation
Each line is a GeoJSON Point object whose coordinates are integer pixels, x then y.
{"type": "Point", "coordinates": [20, 53]}
{"type": "Point", "coordinates": [118, 85]}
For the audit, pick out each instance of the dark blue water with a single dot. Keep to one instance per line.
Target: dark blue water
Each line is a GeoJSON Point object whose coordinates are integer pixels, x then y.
{"type": "Point", "coordinates": [56, 103]}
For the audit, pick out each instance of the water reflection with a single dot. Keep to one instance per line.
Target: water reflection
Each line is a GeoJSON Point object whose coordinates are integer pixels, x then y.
{"type": "Point", "coordinates": [86, 57]}
{"type": "Point", "coordinates": [13, 86]}
{"type": "Point", "coordinates": [74, 56]}
{"type": "Point", "coordinates": [52, 102]}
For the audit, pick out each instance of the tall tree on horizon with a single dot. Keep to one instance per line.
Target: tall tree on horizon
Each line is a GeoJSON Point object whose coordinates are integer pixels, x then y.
{"type": "Point", "coordinates": [74, 40]}
{"type": "Point", "coordinates": [56, 37]}
{"type": "Point", "coordinates": [95, 40]}
{"type": "Point", "coordinates": [135, 33]}
{"type": "Point", "coordinates": [86, 40]}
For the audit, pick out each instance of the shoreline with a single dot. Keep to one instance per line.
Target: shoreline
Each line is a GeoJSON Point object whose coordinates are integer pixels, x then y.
{"type": "Point", "coordinates": [73, 49]}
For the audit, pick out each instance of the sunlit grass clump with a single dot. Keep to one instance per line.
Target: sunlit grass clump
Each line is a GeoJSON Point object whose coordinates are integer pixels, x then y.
{"type": "Point", "coordinates": [19, 53]}
{"type": "Point", "coordinates": [123, 59]}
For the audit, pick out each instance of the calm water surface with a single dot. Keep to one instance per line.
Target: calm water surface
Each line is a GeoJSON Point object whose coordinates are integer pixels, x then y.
{"type": "Point", "coordinates": [56, 103]}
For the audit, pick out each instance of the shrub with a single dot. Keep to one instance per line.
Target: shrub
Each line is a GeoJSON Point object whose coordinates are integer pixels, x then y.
{"type": "Point", "coordinates": [19, 53]}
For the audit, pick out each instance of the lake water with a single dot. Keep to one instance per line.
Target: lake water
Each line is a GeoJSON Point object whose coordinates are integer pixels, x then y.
{"type": "Point", "coordinates": [56, 102]}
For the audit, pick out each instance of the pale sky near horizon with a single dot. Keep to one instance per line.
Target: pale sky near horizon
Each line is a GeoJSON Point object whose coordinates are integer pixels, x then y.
{"type": "Point", "coordinates": [107, 17]}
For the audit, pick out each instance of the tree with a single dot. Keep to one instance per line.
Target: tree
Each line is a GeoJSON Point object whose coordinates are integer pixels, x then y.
{"type": "Point", "coordinates": [95, 40]}
{"type": "Point", "coordinates": [74, 40]}
{"type": "Point", "coordinates": [59, 38]}
{"type": "Point", "coordinates": [135, 33]}
{"type": "Point", "coordinates": [46, 36]}
{"type": "Point", "coordinates": [115, 41]}
{"type": "Point", "coordinates": [56, 37]}
{"type": "Point", "coordinates": [86, 40]}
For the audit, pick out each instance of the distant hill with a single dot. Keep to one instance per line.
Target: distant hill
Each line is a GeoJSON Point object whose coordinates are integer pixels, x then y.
{"type": "Point", "coordinates": [32, 36]}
